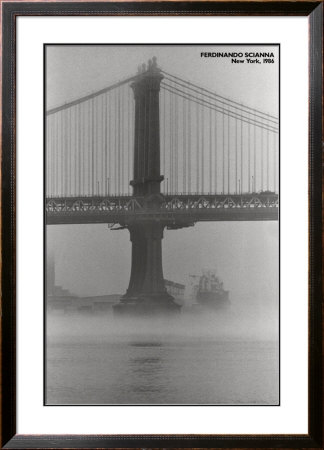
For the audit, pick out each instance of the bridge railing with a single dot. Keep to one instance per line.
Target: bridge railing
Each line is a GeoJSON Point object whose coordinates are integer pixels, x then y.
{"type": "Point", "coordinates": [137, 204]}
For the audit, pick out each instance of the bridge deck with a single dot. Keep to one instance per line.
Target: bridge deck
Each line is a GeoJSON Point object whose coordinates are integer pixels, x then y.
{"type": "Point", "coordinates": [175, 210]}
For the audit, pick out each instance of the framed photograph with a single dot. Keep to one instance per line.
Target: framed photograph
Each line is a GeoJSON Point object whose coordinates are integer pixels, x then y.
{"type": "Point", "coordinates": [161, 225]}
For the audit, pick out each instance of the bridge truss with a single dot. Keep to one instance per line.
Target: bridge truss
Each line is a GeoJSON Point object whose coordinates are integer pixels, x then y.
{"type": "Point", "coordinates": [173, 208]}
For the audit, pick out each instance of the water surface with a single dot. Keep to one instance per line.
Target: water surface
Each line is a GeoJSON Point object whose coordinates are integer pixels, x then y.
{"type": "Point", "coordinates": [189, 360]}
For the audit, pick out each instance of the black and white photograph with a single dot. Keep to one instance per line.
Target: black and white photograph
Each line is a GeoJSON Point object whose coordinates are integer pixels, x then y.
{"type": "Point", "coordinates": [161, 227]}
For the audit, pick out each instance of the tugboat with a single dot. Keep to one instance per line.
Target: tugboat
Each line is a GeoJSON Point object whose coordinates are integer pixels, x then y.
{"type": "Point", "coordinates": [209, 291]}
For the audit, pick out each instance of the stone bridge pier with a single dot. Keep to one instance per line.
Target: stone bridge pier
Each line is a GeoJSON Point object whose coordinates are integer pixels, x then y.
{"type": "Point", "coordinates": [146, 293]}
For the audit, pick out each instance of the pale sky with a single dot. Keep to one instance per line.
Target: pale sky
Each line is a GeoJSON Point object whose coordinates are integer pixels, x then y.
{"type": "Point", "coordinates": [75, 71]}
{"type": "Point", "coordinates": [91, 259]}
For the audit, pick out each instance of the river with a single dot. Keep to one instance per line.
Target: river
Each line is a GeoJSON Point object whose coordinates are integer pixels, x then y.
{"type": "Point", "coordinates": [204, 360]}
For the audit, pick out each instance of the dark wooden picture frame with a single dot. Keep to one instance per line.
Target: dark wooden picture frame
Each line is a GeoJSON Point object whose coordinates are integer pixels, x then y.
{"type": "Point", "coordinates": [10, 12]}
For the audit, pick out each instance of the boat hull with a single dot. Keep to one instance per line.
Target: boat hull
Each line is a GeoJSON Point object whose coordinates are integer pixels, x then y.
{"type": "Point", "coordinates": [213, 300]}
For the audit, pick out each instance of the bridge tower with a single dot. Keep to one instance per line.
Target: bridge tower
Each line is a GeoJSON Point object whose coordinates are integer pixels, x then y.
{"type": "Point", "coordinates": [146, 293]}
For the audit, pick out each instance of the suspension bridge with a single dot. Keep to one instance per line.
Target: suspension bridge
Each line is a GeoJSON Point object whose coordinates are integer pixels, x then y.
{"type": "Point", "coordinates": [152, 151]}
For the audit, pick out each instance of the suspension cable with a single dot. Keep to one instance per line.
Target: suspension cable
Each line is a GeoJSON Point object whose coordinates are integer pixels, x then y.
{"type": "Point", "coordinates": [217, 95]}
{"type": "Point", "coordinates": [242, 108]}
{"type": "Point", "coordinates": [216, 108]}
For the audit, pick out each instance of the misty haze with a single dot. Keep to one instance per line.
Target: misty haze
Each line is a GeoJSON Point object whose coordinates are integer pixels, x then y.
{"type": "Point", "coordinates": [162, 230]}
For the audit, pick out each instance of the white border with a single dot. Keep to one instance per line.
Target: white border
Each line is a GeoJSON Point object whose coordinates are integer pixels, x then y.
{"type": "Point", "coordinates": [291, 416]}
